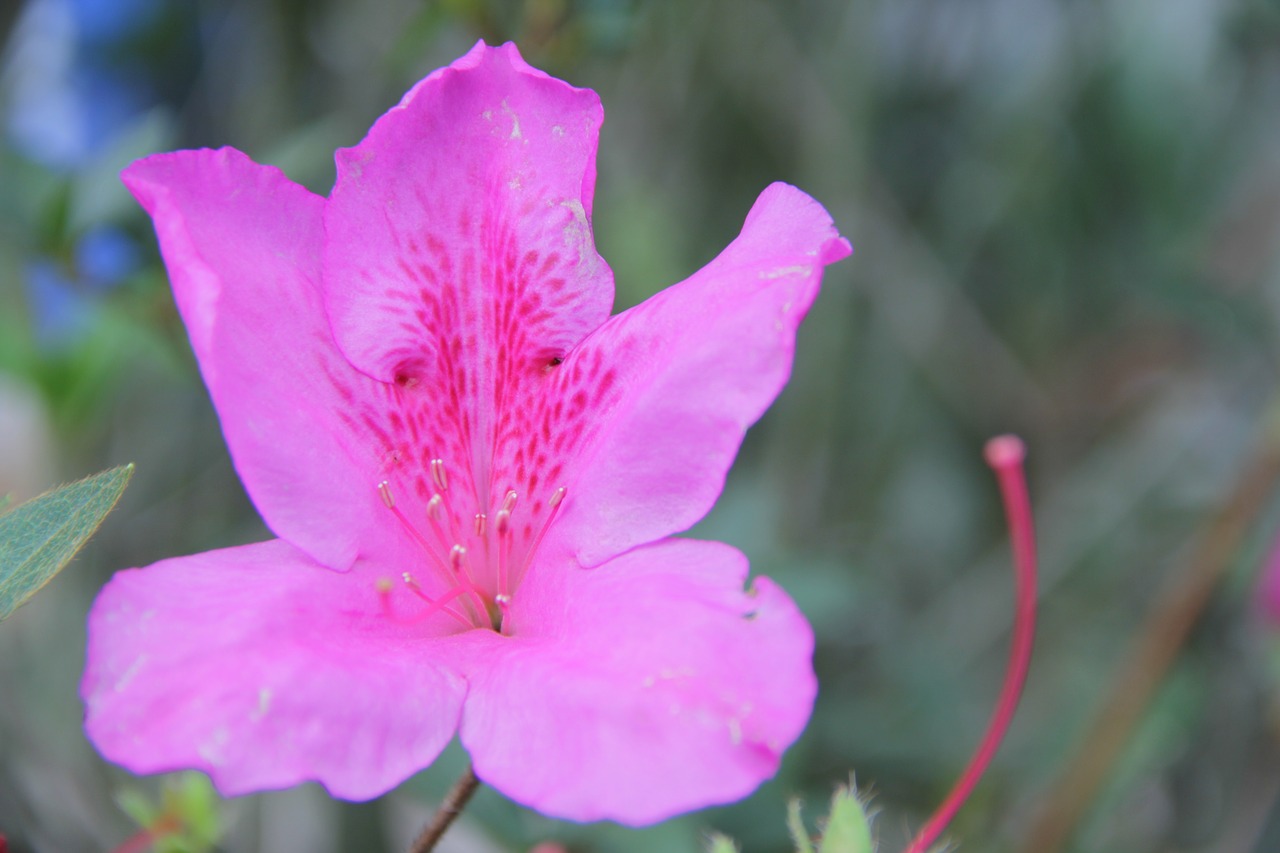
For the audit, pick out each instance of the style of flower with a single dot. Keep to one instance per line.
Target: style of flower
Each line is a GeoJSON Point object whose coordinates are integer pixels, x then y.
{"type": "Point", "coordinates": [473, 471]}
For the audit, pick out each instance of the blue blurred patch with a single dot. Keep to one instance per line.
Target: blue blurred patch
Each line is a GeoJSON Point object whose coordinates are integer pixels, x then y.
{"type": "Point", "coordinates": [105, 256]}
{"type": "Point", "coordinates": [60, 313]}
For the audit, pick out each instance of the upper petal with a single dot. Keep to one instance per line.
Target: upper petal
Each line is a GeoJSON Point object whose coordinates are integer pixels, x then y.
{"type": "Point", "coordinates": [460, 259]}
{"type": "Point", "coordinates": [645, 417]}
{"type": "Point", "coordinates": [263, 669]}
{"type": "Point", "coordinates": [242, 244]}
{"type": "Point", "coordinates": [649, 686]}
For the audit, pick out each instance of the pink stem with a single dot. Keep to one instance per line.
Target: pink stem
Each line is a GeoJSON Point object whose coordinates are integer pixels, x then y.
{"type": "Point", "coordinates": [1005, 455]}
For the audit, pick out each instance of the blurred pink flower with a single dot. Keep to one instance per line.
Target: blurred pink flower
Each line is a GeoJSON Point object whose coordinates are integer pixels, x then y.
{"type": "Point", "coordinates": [473, 471]}
{"type": "Point", "coordinates": [1268, 597]}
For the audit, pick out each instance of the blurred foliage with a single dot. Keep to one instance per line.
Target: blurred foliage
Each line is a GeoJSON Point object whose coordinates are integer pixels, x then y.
{"type": "Point", "coordinates": [1065, 216]}
{"type": "Point", "coordinates": [184, 820]}
{"type": "Point", "coordinates": [846, 829]}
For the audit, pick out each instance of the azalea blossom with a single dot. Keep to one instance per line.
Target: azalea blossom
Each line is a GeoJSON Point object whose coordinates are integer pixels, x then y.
{"type": "Point", "coordinates": [474, 473]}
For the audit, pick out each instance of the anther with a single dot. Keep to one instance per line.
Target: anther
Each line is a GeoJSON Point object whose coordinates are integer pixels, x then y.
{"type": "Point", "coordinates": [509, 502]}
{"type": "Point", "coordinates": [503, 602]}
{"type": "Point", "coordinates": [503, 521]}
{"type": "Point", "coordinates": [438, 475]}
{"type": "Point", "coordinates": [557, 498]}
{"type": "Point", "coordinates": [481, 524]}
{"type": "Point", "coordinates": [435, 508]}
{"type": "Point", "coordinates": [383, 586]}
{"type": "Point", "coordinates": [458, 558]}
{"type": "Point", "coordinates": [384, 489]}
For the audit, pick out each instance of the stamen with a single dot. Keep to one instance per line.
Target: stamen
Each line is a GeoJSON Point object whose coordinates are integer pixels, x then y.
{"type": "Point", "coordinates": [504, 606]}
{"type": "Point", "coordinates": [437, 515]}
{"type": "Point", "coordinates": [458, 558]}
{"type": "Point", "coordinates": [1005, 455]}
{"type": "Point", "coordinates": [417, 590]}
{"type": "Point", "coordinates": [442, 604]}
{"type": "Point", "coordinates": [436, 511]}
{"type": "Point", "coordinates": [556, 499]}
{"type": "Point", "coordinates": [384, 587]}
{"type": "Point", "coordinates": [438, 475]}
{"type": "Point", "coordinates": [481, 524]}
{"type": "Point", "coordinates": [384, 489]}
{"type": "Point", "coordinates": [502, 522]}
{"type": "Point", "coordinates": [509, 502]}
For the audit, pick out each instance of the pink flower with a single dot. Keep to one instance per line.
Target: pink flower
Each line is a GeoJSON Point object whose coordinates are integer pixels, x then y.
{"type": "Point", "coordinates": [473, 471]}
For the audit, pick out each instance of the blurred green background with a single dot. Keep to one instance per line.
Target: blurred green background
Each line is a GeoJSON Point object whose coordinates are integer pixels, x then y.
{"type": "Point", "coordinates": [1065, 214]}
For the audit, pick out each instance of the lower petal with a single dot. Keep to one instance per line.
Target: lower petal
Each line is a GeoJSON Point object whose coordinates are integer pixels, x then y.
{"type": "Point", "coordinates": [657, 685]}
{"type": "Point", "coordinates": [263, 669]}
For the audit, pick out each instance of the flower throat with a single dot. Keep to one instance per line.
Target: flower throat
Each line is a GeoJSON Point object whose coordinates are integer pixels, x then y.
{"type": "Point", "coordinates": [478, 562]}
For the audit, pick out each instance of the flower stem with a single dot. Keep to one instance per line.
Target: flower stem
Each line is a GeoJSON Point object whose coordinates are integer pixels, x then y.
{"type": "Point", "coordinates": [1005, 455]}
{"type": "Point", "coordinates": [454, 802]}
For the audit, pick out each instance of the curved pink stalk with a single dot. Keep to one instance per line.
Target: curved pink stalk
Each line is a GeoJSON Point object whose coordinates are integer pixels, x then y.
{"type": "Point", "coordinates": [1005, 455]}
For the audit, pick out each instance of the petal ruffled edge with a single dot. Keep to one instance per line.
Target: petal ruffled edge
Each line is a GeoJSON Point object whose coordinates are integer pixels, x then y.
{"type": "Point", "coordinates": [263, 669]}
{"type": "Point", "coordinates": [658, 400]}
{"type": "Point", "coordinates": [489, 166]}
{"type": "Point", "coordinates": [242, 245]}
{"type": "Point", "coordinates": [647, 687]}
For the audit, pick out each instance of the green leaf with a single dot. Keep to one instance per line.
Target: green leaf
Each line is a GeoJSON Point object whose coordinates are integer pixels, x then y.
{"type": "Point", "coordinates": [795, 823]}
{"type": "Point", "coordinates": [847, 828]}
{"type": "Point", "coordinates": [41, 536]}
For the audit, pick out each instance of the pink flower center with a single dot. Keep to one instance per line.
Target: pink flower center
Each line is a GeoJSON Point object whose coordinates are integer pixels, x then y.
{"type": "Point", "coordinates": [476, 557]}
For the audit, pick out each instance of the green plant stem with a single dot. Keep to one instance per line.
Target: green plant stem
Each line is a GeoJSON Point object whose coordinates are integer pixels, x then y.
{"type": "Point", "coordinates": [454, 802]}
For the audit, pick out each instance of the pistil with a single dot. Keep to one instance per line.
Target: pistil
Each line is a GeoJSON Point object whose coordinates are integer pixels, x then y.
{"type": "Point", "coordinates": [1005, 455]}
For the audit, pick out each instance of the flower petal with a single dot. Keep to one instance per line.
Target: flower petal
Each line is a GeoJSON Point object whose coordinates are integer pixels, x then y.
{"type": "Point", "coordinates": [264, 669]}
{"type": "Point", "coordinates": [460, 259]}
{"type": "Point", "coordinates": [648, 413]}
{"type": "Point", "coordinates": [242, 243]}
{"type": "Point", "coordinates": [646, 687]}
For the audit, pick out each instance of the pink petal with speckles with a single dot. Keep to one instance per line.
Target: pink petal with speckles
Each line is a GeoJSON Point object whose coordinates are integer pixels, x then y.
{"type": "Point", "coordinates": [656, 402]}
{"type": "Point", "coordinates": [460, 260]}
{"type": "Point", "coordinates": [649, 686]}
{"type": "Point", "coordinates": [242, 243]}
{"type": "Point", "coordinates": [265, 669]}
